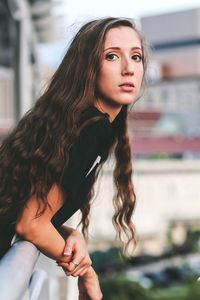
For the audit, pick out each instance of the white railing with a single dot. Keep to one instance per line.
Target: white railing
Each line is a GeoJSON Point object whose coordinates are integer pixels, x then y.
{"type": "Point", "coordinates": [18, 280]}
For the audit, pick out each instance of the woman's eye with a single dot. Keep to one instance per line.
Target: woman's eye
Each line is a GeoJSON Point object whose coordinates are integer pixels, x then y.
{"type": "Point", "coordinates": [111, 56]}
{"type": "Point", "coordinates": [137, 57]}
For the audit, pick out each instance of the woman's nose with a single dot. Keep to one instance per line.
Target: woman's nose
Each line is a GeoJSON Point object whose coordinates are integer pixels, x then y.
{"type": "Point", "coordinates": [127, 67]}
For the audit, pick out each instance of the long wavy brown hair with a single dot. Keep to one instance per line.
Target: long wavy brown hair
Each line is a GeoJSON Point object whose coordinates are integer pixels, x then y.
{"type": "Point", "coordinates": [34, 155]}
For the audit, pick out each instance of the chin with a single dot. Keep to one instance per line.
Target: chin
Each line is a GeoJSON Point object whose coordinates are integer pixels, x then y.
{"type": "Point", "coordinates": [129, 102]}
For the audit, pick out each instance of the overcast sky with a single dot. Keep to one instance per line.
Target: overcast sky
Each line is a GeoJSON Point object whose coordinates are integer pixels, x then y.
{"type": "Point", "coordinates": [77, 11]}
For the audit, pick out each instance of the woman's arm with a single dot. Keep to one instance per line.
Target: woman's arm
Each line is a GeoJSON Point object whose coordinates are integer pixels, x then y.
{"type": "Point", "coordinates": [39, 230]}
{"type": "Point", "coordinates": [65, 245]}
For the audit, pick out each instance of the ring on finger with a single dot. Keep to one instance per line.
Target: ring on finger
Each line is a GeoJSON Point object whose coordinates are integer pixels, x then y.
{"type": "Point", "coordinates": [75, 264]}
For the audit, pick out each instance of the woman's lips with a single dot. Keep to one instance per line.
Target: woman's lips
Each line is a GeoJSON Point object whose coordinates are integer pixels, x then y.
{"type": "Point", "coordinates": [127, 87]}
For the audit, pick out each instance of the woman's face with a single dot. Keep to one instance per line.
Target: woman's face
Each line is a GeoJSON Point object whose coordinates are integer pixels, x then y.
{"type": "Point", "coordinates": [121, 69]}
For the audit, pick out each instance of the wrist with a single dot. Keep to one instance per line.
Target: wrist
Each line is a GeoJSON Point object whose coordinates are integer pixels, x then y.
{"type": "Point", "coordinates": [75, 232]}
{"type": "Point", "coordinates": [65, 231]}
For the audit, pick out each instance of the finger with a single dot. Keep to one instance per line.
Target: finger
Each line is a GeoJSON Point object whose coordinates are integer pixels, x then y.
{"type": "Point", "coordinates": [84, 271]}
{"type": "Point", "coordinates": [85, 264]}
{"type": "Point", "coordinates": [63, 265]}
{"type": "Point", "coordinates": [73, 266]}
{"type": "Point", "coordinates": [67, 273]}
{"type": "Point", "coordinates": [68, 248]}
{"type": "Point", "coordinates": [76, 262]}
{"type": "Point", "coordinates": [69, 245]}
{"type": "Point", "coordinates": [80, 260]}
{"type": "Point", "coordinates": [80, 271]}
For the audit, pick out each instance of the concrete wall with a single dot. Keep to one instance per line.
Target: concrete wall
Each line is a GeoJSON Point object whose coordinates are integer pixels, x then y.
{"type": "Point", "coordinates": [166, 190]}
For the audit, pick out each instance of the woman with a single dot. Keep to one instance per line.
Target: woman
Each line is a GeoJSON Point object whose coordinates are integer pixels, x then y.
{"type": "Point", "coordinates": [49, 163]}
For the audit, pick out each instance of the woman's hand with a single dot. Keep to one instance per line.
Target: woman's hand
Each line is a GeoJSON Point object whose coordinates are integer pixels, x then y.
{"type": "Point", "coordinates": [89, 286]}
{"type": "Point", "coordinates": [76, 249]}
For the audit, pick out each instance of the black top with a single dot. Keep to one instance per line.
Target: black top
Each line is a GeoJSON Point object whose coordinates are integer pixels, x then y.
{"type": "Point", "coordinates": [89, 151]}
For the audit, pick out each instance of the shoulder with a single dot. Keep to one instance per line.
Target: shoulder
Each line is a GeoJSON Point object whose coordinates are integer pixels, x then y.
{"type": "Point", "coordinates": [96, 134]}
{"type": "Point", "coordinates": [95, 123]}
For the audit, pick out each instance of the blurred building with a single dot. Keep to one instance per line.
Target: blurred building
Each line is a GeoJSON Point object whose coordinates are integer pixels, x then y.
{"type": "Point", "coordinates": [167, 194]}
{"type": "Point", "coordinates": [165, 120]}
{"type": "Point", "coordinates": [175, 41]}
{"type": "Point", "coordinates": [170, 106]}
{"type": "Point", "coordinates": [23, 25]}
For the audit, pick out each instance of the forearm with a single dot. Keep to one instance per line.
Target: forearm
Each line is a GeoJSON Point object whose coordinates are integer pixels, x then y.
{"type": "Point", "coordinates": [48, 240]}
{"type": "Point", "coordinates": [39, 230]}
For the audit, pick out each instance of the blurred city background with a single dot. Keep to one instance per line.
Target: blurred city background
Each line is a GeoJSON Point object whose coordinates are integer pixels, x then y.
{"type": "Point", "coordinates": [164, 128]}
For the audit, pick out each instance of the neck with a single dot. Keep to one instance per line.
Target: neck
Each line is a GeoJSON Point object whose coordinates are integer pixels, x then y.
{"type": "Point", "coordinates": [105, 108]}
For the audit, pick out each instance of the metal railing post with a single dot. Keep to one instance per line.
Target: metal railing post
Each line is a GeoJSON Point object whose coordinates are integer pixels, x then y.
{"type": "Point", "coordinates": [39, 286]}
{"type": "Point", "coordinates": [16, 268]}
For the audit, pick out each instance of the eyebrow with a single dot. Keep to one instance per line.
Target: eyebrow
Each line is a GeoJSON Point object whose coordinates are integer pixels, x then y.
{"type": "Point", "coordinates": [118, 48]}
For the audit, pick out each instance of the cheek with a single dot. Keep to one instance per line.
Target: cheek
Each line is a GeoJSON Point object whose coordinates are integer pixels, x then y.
{"type": "Point", "coordinates": [105, 80]}
{"type": "Point", "coordinates": [101, 82]}
{"type": "Point", "coordinates": [108, 70]}
{"type": "Point", "coordinates": [140, 75]}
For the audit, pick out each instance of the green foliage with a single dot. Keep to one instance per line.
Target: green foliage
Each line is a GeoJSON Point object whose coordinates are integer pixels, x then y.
{"type": "Point", "coordinates": [193, 292]}
{"type": "Point", "coordinates": [108, 261]}
{"type": "Point", "coordinates": [122, 289]}
{"type": "Point", "coordinates": [183, 292]}
{"type": "Point", "coordinates": [191, 243]}
{"type": "Point", "coordinates": [193, 238]}
{"type": "Point", "coordinates": [175, 293]}
{"type": "Point", "coordinates": [115, 286]}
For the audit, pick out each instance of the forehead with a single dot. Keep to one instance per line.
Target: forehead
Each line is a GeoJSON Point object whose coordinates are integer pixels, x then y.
{"type": "Point", "coordinates": [122, 36]}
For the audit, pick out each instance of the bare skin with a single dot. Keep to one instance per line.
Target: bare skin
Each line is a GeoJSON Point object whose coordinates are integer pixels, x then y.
{"type": "Point", "coordinates": [66, 247]}
{"type": "Point", "coordinates": [121, 70]}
